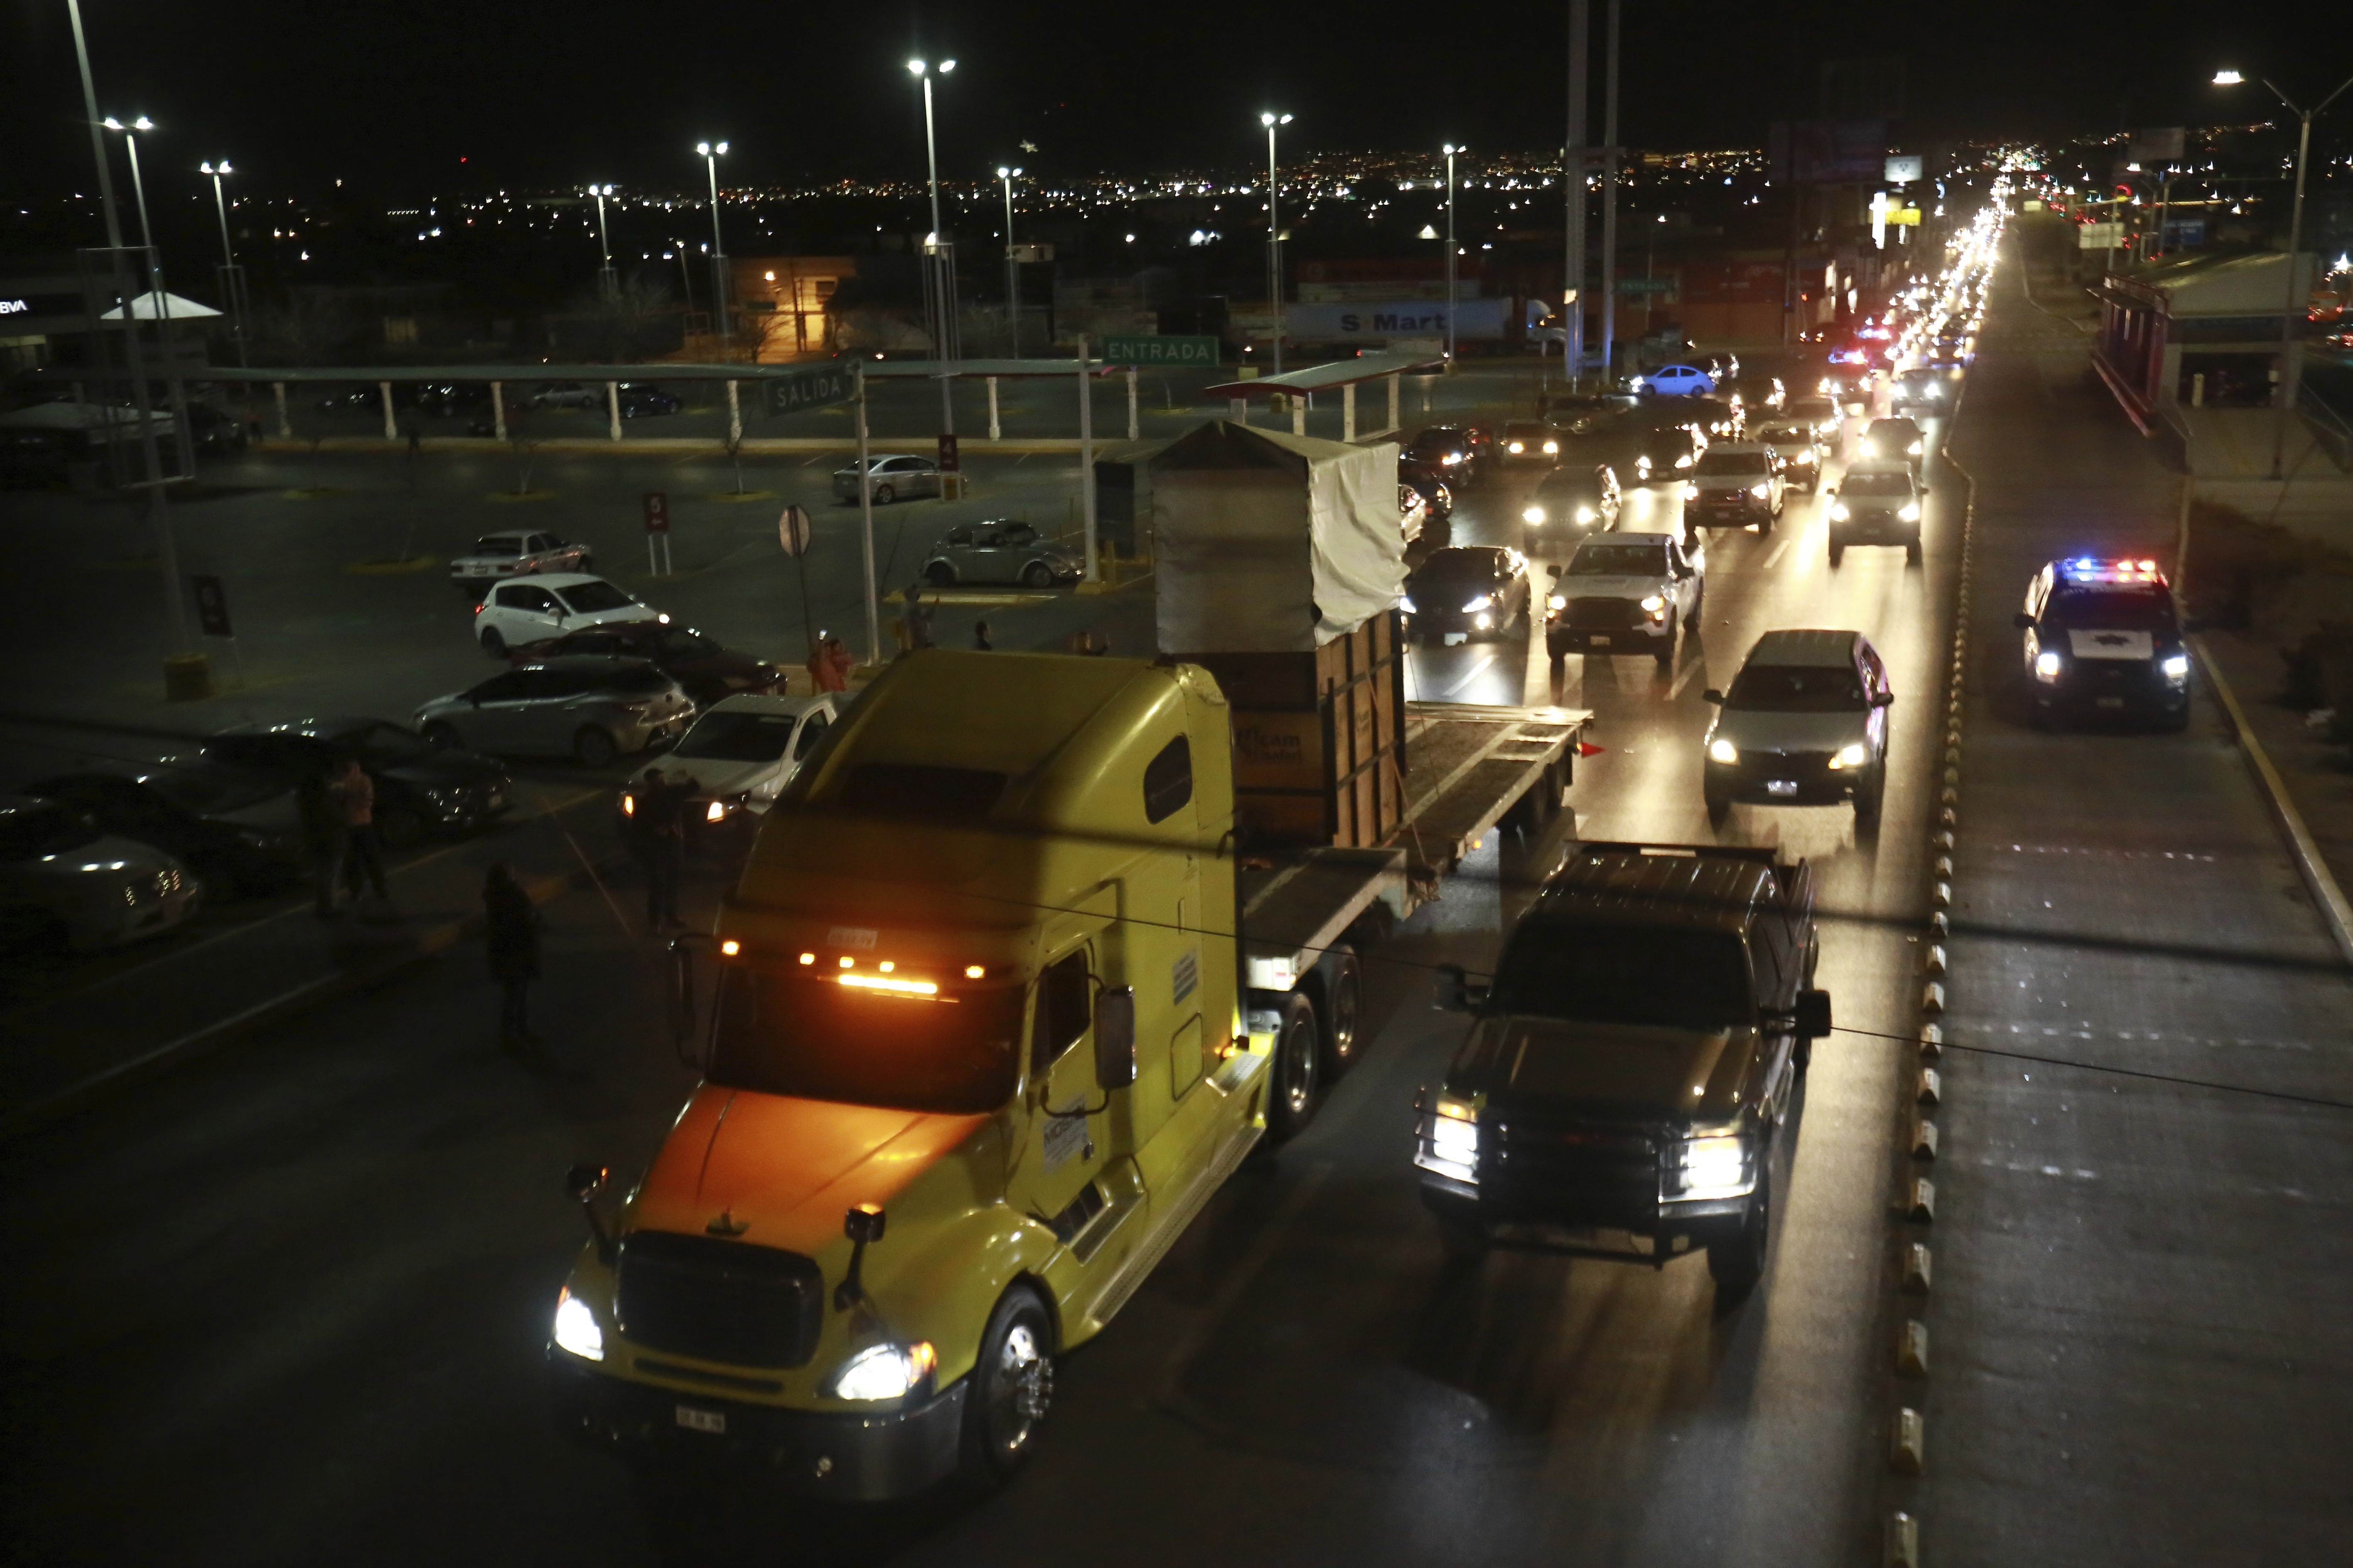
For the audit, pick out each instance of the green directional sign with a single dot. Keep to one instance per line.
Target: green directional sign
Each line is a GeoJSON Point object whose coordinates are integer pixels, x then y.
{"type": "Point", "coordinates": [1160, 351]}
{"type": "Point", "coordinates": [808, 386]}
{"type": "Point", "coordinates": [1646, 285]}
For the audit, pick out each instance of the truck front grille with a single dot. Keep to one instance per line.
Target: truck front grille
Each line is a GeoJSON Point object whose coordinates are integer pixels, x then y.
{"type": "Point", "coordinates": [1604, 614]}
{"type": "Point", "coordinates": [719, 1300]}
{"type": "Point", "coordinates": [1582, 1164]}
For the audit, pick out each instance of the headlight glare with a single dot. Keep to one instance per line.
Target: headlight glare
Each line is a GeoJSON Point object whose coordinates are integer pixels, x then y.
{"type": "Point", "coordinates": [1654, 602]}
{"type": "Point", "coordinates": [1851, 755]}
{"type": "Point", "coordinates": [1552, 447]}
{"type": "Point", "coordinates": [2175, 667]}
{"type": "Point", "coordinates": [1839, 512]}
{"type": "Point", "coordinates": [2047, 665]}
{"type": "Point", "coordinates": [1484, 601]}
{"type": "Point", "coordinates": [1585, 514]}
{"type": "Point", "coordinates": [885, 1372]}
{"type": "Point", "coordinates": [1760, 491]}
{"type": "Point", "coordinates": [1722, 750]}
{"type": "Point", "coordinates": [1407, 604]}
{"type": "Point", "coordinates": [1913, 449]}
{"type": "Point", "coordinates": [1533, 514]}
{"type": "Point", "coordinates": [1910, 513]}
{"type": "Point", "coordinates": [1557, 601]}
{"type": "Point", "coordinates": [576, 1328]}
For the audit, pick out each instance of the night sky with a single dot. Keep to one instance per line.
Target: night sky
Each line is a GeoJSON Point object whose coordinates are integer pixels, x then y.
{"type": "Point", "coordinates": [392, 96]}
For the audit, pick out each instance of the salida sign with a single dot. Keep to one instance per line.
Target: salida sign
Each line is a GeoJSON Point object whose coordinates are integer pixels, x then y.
{"type": "Point", "coordinates": [1410, 319]}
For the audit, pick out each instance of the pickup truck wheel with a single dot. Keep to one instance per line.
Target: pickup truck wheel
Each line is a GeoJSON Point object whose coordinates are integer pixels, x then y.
{"type": "Point", "coordinates": [1012, 1388]}
{"type": "Point", "coordinates": [493, 643]}
{"type": "Point", "coordinates": [1298, 1057]}
{"type": "Point", "coordinates": [1737, 1262]}
{"type": "Point", "coordinates": [1343, 996]}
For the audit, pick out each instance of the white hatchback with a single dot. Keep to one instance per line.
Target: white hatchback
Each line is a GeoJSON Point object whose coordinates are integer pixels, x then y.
{"type": "Point", "coordinates": [526, 609]}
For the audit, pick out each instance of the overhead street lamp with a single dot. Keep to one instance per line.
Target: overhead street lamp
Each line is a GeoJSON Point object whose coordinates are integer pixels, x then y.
{"type": "Point", "coordinates": [232, 275]}
{"type": "Point", "coordinates": [607, 281]}
{"type": "Point", "coordinates": [1012, 267]}
{"type": "Point", "coordinates": [939, 273]}
{"type": "Point", "coordinates": [2289, 302]}
{"type": "Point", "coordinates": [712, 152]}
{"type": "Point", "coordinates": [139, 196]}
{"type": "Point", "coordinates": [1273, 234]}
{"type": "Point", "coordinates": [1451, 150]}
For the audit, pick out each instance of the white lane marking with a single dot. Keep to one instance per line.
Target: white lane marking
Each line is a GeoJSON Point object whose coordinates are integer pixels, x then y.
{"type": "Point", "coordinates": [1690, 667]}
{"type": "Point", "coordinates": [1773, 556]}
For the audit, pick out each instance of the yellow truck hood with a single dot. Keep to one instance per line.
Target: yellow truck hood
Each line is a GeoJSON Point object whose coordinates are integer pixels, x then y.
{"type": "Point", "coordinates": [785, 1169]}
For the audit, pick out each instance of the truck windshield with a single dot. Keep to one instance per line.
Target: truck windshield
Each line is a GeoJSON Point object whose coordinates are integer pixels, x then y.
{"type": "Point", "coordinates": [1624, 974]}
{"type": "Point", "coordinates": [779, 1031]}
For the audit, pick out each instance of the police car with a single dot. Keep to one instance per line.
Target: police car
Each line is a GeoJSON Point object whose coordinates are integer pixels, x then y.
{"type": "Point", "coordinates": [2102, 636]}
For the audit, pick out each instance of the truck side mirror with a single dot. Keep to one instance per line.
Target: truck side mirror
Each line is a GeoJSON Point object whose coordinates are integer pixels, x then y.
{"type": "Point", "coordinates": [1712, 697]}
{"type": "Point", "coordinates": [862, 1224]}
{"type": "Point", "coordinates": [584, 1182]}
{"type": "Point", "coordinates": [1883, 699]}
{"type": "Point", "coordinates": [2022, 621]}
{"type": "Point", "coordinates": [1814, 1015]}
{"type": "Point", "coordinates": [1115, 1037]}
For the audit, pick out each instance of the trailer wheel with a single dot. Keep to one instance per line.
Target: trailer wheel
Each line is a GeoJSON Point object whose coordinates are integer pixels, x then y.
{"type": "Point", "coordinates": [1296, 1069]}
{"type": "Point", "coordinates": [1342, 996]}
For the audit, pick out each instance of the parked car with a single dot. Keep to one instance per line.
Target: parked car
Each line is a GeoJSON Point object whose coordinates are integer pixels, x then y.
{"type": "Point", "coordinates": [215, 429]}
{"type": "Point", "coordinates": [1530, 443]}
{"type": "Point", "coordinates": [241, 832]}
{"type": "Point", "coordinates": [1467, 590]}
{"type": "Point", "coordinates": [451, 396]}
{"type": "Point", "coordinates": [1734, 485]}
{"type": "Point", "coordinates": [739, 755]}
{"type": "Point", "coordinates": [1003, 551]}
{"type": "Point", "coordinates": [637, 401]}
{"type": "Point", "coordinates": [566, 395]}
{"type": "Point", "coordinates": [529, 609]}
{"type": "Point", "coordinates": [1570, 503]}
{"type": "Point", "coordinates": [66, 886]}
{"type": "Point", "coordinates": [695, 660]}
{"type": "Point", "coordinates": [1462, 452]}
{"type": "Point", "coordinates": [1625, 592]}
{"type": "Point", "coordinates": [1805, 723]}
{"type": "Point", "coordinates": [419, 789]}
{"type": "Point", "coordinates": [890, 476]}
{"type": "Point", "coordinates": [517, 554]}
{"type": "Point", "coordinates": [1878, 502]}
{"type": "Point", "coordinates": [590, 708]}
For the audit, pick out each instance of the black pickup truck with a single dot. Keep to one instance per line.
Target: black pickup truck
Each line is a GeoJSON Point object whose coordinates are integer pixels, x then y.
{"type": "Point", "coordinates": [1629, 1062]}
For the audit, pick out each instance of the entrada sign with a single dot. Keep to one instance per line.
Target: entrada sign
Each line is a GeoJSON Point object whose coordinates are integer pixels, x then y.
{"type": "Point", "coordinates": [1139, 350]}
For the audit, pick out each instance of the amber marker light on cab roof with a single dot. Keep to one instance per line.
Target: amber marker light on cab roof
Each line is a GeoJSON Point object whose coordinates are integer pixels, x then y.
{"type": "Point", "coordinates": [972, 971]}
{"type": "Point", "coordinates": [809, 958]}
{"type": "Point", "coordinates": [895, 987]}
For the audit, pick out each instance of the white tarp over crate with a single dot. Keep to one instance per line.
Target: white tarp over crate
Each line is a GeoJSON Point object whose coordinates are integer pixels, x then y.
{"type": "Point", "coordinates": [1269, 542]}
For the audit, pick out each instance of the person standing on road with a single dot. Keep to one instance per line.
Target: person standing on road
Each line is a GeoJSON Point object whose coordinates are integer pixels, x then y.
{"type": "Point", "coordinates": [919, 619]}
{"type": "Point", "coordinates": [830, 665]}
{"type": "Point", "coordinates": [660, 829]}
{"type": "Point", "coordinates": [322, 837]}
{"type": "Point", "coordinates": [980, 643]}
{"type": "Point", "coordinates": [350, 794]}
{"type": "Point", "coordinates": [510, 924]}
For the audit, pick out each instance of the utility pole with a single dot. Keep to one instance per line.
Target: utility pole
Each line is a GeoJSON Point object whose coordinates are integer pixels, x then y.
{"type": "Point", "coordinates": [1572, 179]}
{"type": "Point", "coordinates": [1609, 171]}
{"type": "Point", "coordinates": [1012, 267]}
{"type": "Point", "coordinates": [1274, 234]}
{"type": "Point", "coordinates": [1451, 150]}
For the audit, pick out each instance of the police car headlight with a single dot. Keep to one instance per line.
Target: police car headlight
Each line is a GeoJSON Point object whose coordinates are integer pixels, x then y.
{"type": "Point", "coordinates": [1852, 755]}
{"type": "Point", "coordinates": [1723, 751]}
{"type": "Point", "coordinates": [2176, 667]}
{"type": "Point", "coordinates": [1910, 513]}
{"type": "Point", "coordinates": [576, 1328]}
{"type": "Point", "coordinates": [2047, 665]}
{"type": "Point", "coordinates": [1533, 514]}
{"type": "Point", "coordinates": [885, 1372]}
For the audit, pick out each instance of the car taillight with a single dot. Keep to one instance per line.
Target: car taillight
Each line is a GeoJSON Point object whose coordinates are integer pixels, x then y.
{"type": "Point", "coordinates": [480, 608]}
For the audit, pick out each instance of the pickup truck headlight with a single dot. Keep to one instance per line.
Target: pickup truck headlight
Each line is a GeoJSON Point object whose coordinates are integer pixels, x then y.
{"type": "Point", "coordinates": [576, 1328]}
{"type": "Point", "coordinates": [1839, 512]}
{"type": "Point", "coordinates": [1449, 1144]}
{"type": "Point", "coordinates": [1760, 491]}
{"type": "Point", "coordinates": [1585, 514]}
{"type": "Point", "coordinates": [1654, 605]}
{"type": "Point", "coordinates": [2175, 668]}
{"type": "Point", "coordinates": [1710, 1166]}
{"type": "Point", "coordinates": [1483, 602]}
{"type": "Point", "coordinates": [1723, 751]}
{"type": "Point", "coordinates": [1910, 513]}
{"type": "Point", "coordinates": [1533, 514]}
{"type": "Point", "coordinates": [885, 1372]}
{"type": "Point", "coordinates": [1556, 601]}
{"type": "Point", "coordinates": [1851, 755]}
{"type": "Point", "coordinates": [2047, 665]}
{"type": "Point", "coordinates": [1913, 449]}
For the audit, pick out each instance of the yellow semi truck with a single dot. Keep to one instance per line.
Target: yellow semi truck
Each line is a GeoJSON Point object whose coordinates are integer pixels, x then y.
{"type": "Point", "coordinates": [999, 1002]}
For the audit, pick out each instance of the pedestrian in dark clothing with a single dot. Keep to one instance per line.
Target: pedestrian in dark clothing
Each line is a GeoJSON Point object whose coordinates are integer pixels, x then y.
{"type": "Point", "coordinates": [323, 839]}
{"type": "Point", "coordinates": [919, 619]}
{"type": "Point", "coordinates": [980, 643]}
{"type": "Point", "coordinates": [350, 794]}
{"type": "Point", "coordinates": [510, 923]}
{"type": "Point", "coordinates": [660, 824]}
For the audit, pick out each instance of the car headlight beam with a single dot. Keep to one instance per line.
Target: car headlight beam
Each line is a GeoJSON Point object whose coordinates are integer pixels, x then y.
{"type": "Point", "coordinates": [576, 1330]}
{"type": "Point", "coordinates": [1854, 755]}
{"type": "Point", "coordinates": [2175, 668]}
{"type": "Point", "coordinates": [1483, 602]}
{"type": "Point", "coordinates": [2047, 665]}
{"type": "Point", "coordinates": [1533, 514]}
{"type": "Point", "coordinates": [885, 1372]}
{"type": "Point", "coordinates": [1723, 751]}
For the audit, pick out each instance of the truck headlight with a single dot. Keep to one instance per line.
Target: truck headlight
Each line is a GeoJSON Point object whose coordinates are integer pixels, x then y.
{"type": "Point", "coordinates": [1515, 447]}
{"type": "Point", "coordinates": [1556, 601]}
{"type": "Point", "coordinates": [1852, 755]}
{"type": "Point", "coordinates": [1533, 514]}
{"type": "Point", "coordinates": [1552, 447]}
{"type": "Point", "coordinates": [1711, 1166]}
{"type": "Point", "coordinates": [2047, 665]}
{"type": "Point", "coordinates": [1484, 601]}
{"type": "Point", "coordinates": [2175, 667]}
{"type": "Point", "coordinates": [1723, 751]}
{"type": "Point", "coordinates": [1913, 449]}
{"type": "Point", "coordinates": [1654, 605]}
{"type": "Point", "coordinates": [1585, 514]}
{"type": "Point", "coordinates": [1449, 1143]}
{"type": "Point", "coordinates": [576, 1330]}
{"type": "Point", "coordinates": [1910, 513]}
{"type": "Point", "coordinates": [1839, 512]}
{"type": "Point", "coordinates": [1760, 491]}
{"type": "Point", "coordinates": [885, 1372]}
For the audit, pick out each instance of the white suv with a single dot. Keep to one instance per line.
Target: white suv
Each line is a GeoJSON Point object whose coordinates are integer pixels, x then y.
{"type": "Point", "coordinates": [526, 609]}
{"type": "Point", "coordinates": [1735, 484]}
{"type": "Point", "coordinates": [1625, 592]}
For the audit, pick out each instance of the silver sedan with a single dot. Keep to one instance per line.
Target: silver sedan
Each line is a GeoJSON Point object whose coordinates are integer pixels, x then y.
{"type": "Point", "coordinates": [892, 476]}
{"type": "Point", "coordinates": [590, 707]}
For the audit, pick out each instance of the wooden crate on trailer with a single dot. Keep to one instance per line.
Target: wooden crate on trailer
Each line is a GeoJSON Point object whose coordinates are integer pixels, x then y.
{"type": "Point", "coordinates": [1319, 739]}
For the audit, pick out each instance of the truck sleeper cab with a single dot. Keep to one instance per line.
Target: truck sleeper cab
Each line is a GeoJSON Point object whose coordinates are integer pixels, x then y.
{"type": "Point", "coordinates": [1629, 1063]}
{"type": "Point", "coordinates": [974, 1063]}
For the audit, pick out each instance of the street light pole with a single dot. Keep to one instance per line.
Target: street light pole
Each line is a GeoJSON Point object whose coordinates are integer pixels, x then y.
{"type": "Point", "coordinates": [608, 282]}
{"type": "Point", "coordinates": [1610, 166]}
{"type": "Point", "coordinates": [1451, 150]}
{"type": "Point", "coordinates": [1012, 267]}
{"type": "Point", "coordinates": [232, 275]}
{"type": "Point", "coordinates": [940, 253]}
{"type": "Point", "coordinates": [2289, 302]}
{"type": "Point", "coordinates": [1572, 179]}
{"type": "Point", "coordinates": [712, 152]}
{"type": "Point", "coordinates": [1273, 234]}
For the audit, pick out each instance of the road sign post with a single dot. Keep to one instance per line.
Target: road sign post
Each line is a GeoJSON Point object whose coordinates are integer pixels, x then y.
{"type": "Point", "coordinates": [1147, 350]}
{"type": "Point", "coordinates": [794, 532]}
{"type": "Point", "coordinates": [656, 504]}
{"type": "Point", "coordinates": [212, 619]}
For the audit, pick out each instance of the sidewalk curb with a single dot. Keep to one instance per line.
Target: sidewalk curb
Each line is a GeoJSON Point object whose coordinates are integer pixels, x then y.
{"type": "Point", "coordinates": [432, 942]}
{"type": "Point", "coordinates": [2334, 912]}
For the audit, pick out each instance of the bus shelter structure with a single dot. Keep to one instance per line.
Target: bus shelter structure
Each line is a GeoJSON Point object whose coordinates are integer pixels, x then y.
{"type": "Point", "coordinates": [1347, 374]}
